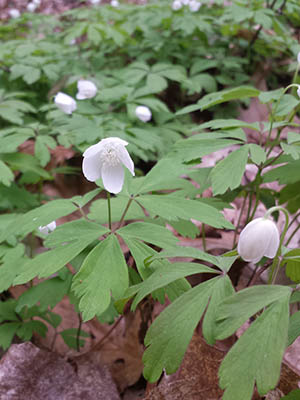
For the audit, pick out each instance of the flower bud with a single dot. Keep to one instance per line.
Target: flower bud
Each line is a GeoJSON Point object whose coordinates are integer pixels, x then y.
{"type": "Point", "coordinates": [66, 103]}
{"type": "Point", "coordinates": [86, 90]}
{"type": "Point", "coordinates": [194, 5]}
{"type": "Point", "coordinates": [47, 228]}
{"type": "Point", "coordinates": [114, 3]}
{"type": "Point", "coordinates": [14, 13]}
{"type": "Point", "coordinates": [259, 238]}
{"type": "Point", "coordinates": [31, 7]}
{"type": "Point", "coordinates": [143, 113]}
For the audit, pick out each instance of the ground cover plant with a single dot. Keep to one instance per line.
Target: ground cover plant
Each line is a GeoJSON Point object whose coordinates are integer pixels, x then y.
{"type": "Point", "coordinates": [141, 112]}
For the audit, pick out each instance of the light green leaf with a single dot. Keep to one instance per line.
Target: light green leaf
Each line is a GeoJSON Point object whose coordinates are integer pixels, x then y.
{"type": "Point", "coordinates": [228, 173]}
{"type": "Point", "coordinates": [237, 309]}
{"type": "Point", "coordinates": [102, 274]}
{"type": "Point", "coordinates": [25, 163]}
{"type": "Point", "coordinates": [70, 337]}
{"type": "Point", "coordinates": [229, 123]}
{"type": "Point", "coordinates": [294, 328]}
{"type": "Point", "coordinates": [257, 153]}
{"type": "Point", "coordinates": [7, 332]}
{"type": "Point", "coordinates": [156, 82]}
{"type": "Point", "coordinates": [187, 252]}
{"type": "Point", "coordinates": [174, 208]}
{"type": "Point", "coordinates": [293, 395]}
{"type": "Point", "coordinates": [169, 335]}
{"type": "Point", "coordinates": [288, 173]}
{"type": "Point", "coordinates": [148, 232]}
{"type": "Point", "coordinates": [13, 258]}
{"type": "Point", "coordinates": [256, 357]}
{"type": "Point", "coordinates": [6, 175]}
{"type": "Point", "coordinates": [27, 329]}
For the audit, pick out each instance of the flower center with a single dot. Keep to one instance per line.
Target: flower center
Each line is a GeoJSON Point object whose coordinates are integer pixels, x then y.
{"type": "Point", "coordinates": [109, 156]}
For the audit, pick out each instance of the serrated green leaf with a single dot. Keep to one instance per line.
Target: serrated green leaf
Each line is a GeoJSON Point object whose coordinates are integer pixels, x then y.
{"type": "Point", "coordinates": [187, 252]}
{"type": "Point", "coordinates": [228, 173]}
{"type": "Point", "coordinates": [294, 328]}
{"type": "Point", "coordinates": [238, 308]}
{"type": "Point", "coordinates": [257, 153]}
{"type": "Point", "coordinates": [292, 261]}
{"type": "Point", "coordinates": [256, 357]}
{"type": "Point", "coordinates": [293, 395]}
{"type": "Point", "coordinates": [6, 175]}
{"type": "Point", "coordinates": [169, 335]}
{"type": "Point", "coordinates": [27, 329]}
{"type": "Point", "coordinates": [7, 310]}
{"type": "Point", "coordinates": [185, 228]}
{"type": "Point", "coordinates": [102, 274]}
{"type": "Point", "coordinates": [173, 208]}
{"type": "Point", "coordinates": [288, 173]}
{"type": "Point", "coordinates": [7, 332]}
{"type": "Point", "coordinates": [148, 232]}
{"type": "Point", "coordinates": [229, 123]}
{"type": "Point", "coordinates": [11, 266]}
{"type": "Point", "coordinates": [69, 336]}
{"type": "Point", "coordinates": [25, 163]}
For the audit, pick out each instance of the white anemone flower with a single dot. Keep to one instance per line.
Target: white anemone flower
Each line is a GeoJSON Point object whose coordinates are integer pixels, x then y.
{"type": "Point", "coordinates": [86, 89]}
{"type": "Point", "coordinates": [259, 238]}
{"type": "Point", "coordinates": [65, 102]}
{"type": "Point", "coordinates": [194, 5]}
{"type": "Point", "coordinates": [114, 3]}
{"type": "Point", "coordinates": [106, 160]}
{"type": "Point", "coordinates": [47, 228]}
{"type": "Point", "coordinates": [177, 5]}
{"type": "Point", "coordinates": [143, 113]}
{"type": "Point", "coordinates": [14, 13]}
{"type": "Point", "coordinates": [31, 7]}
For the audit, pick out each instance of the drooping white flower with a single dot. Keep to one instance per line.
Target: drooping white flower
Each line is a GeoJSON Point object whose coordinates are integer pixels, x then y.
{"type": "Point", "coordinates": [114, 3]}
{"type": "Point", "coordinates": [31, 7]}
{"type": "Point", "coordinates": [194, 5]}
{"type": "Point", "coordinates": [106, 160]}
{"type": "Point", "coordinates": [86, 89]}
{"type": "Point", "coordinates": [177, 5]}
{"type": "Point", "coordinates": [47, 228]}
{"type": "Point", "coordinates": [143, 113]}
{"type": "Point", "coordinates": [259, 238]}
{"type": "Point", "coordinates": [14, 13]}
{"type": "Point", "coordinates": [65, 102]}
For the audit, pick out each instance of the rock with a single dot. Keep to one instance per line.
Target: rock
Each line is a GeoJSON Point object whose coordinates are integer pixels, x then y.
{"type": "Point", "coordinates": [27, 372]}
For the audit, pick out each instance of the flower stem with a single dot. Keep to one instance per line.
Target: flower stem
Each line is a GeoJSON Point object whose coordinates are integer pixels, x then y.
{"type": "Point", "coordinates": [109, 210]}
{"type": "Point", "coordinates": [125, 212]}
{"type": "Point", "coordinates": [276, 262]}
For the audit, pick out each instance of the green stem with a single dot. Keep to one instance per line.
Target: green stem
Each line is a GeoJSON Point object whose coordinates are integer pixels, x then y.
{"type": "Point", "coordinates": [125, 212]}
{"type": "Point", "coordinates": [78, 333]}
{"type": "Point", "coordinates": [109, 210]}
{"type": "Point", "coordinates": [292, 235]}
{"type": "Point", "coordinates": [203, 237]}
{"type": "Point", "coordinates": [276, 262]}
{"type": "Point", "coordinates": [239, 220]}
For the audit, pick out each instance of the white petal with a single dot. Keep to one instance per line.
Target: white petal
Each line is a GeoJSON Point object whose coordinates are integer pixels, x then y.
{"type": "Point", "coordinates": [274, 240]}
{"type": "Point", "coordinates": [80, 96]}
{"type": "Point", "coordinates": [66, 103]}
{"type": "Point", "coordinates": [114, 140]}
{"type": "Point", "coordinates": [86, 89]}
{"type": "Point", "coordinates": [298, 57]}
{"type": "Point", "coordinates": [113, 178]}
{"type": "Point", "coordinates": [125, 158]}
{"type": "Point", "coordinates": [91, 167]}
{"type": "Point", "coordinates": [143, 113]}
{"type": "Point", "coordinates": [52, 226]}
{"type": "Point", "coordinates": [94, 149]}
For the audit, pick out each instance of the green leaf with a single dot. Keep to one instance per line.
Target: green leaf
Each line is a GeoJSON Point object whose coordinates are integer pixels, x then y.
{"type": "Point", "coordinates": [173, 208]}
{"type": "Point", "coordinates": [220, 291]}
{"type": "Point", "coordinates": [257, 153]}
{"type": "Point", "coordinates": [156, 82]}
{"type": "Point", "coordinates": [7, 311]}
{"type": "Point", "coordinates": [256, 357]}
{"type": "Point", "coordinates": [237, 309]}
{"type": "Point", "coordinates": [188, 252]}
{"type": "Point", "coordinates": [185, 228]}
{"type": "Point", "coordinates": [169, 335]}
{"type": "Point", "coordinates": [229, 123]}
{"type": "Point", "coordinates": [287, 104]}
{"type": "Point", "coordinates": [25, 163]}
{"type": "Point", "coordinates": [294, 328]}
{"type": "Point", "coordinates": [40, 216]}
{"type": "Point", "coordinates": [288, 173]}
{"type": "Point", "coordinates": [228, 173]}
{"type": "Point", "coordinates": [70, 337]}
{"type": "Point", "coordinates": [12, 260]}
{"type": "Point", "coordinates": [148, 232]}
{"type": "Point", "coordinates": [166, 274]}
{"type": "Point", "coordinates": [7, 333]}
{"type": "Point", "coordinates": [6, 175]}
{"type": "Point", "coordinates": [293, 395]}
{"type": "Point", "coordinates": [102, 274]}
{"type": "Point", "coordinates": [27, 329]}
{"type": "Point", "coordinates": [292, 261]}
{"type": "Point", "coordinates": [47, 294]}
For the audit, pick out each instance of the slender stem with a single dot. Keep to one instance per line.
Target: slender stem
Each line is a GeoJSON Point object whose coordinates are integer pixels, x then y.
{"type": "Point", "coordinates": [78, 333]}
{"type": "Point", "coordinates": [109, 210]}
{"type": "Point", "coordinates": [276, 262]}
{"type": "Point", "coordinates": [125, 212]}
{"type": "Point", "coordinates": [99, 344]}
{"type": "Point", "coordinates": [203, 237]}
{"type": "Point", "coordinates": [239, 220]}
{"type": "Point", "coordinates": [249, 207]}
{"type": "Point", "coordinates": [292, 234]}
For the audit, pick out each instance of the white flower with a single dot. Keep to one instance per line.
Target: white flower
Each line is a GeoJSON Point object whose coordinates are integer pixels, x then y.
{"type": "Point", "coordinates": [176, 5]}
{"type": "Point", "coordinates": [66, 103]}
{"type": "Point", "coordinates": [31, 7]}
{"type": "Point", "coordinates": [95, 2]}
{"type": "Point", "coordinates": [14, 13]}
{"type": "Point", "coordinates": [86, 90]}
{"type": "Point", "coordinates": [36, 2]}
{"type": "Point", "coordinates": [47, 228]}
{"type": "Point", "coordinates": [185, 2]}
{"type": "Point", "coordinates": [143, 113]}
{"type": "Point", "coordinates": [106, 160]}
{"type": "Point", "coordinates": [298, 91]}
{"type": "Point", "coordinates": [194, 5]}
{"type": "Point", "coordinates": [259, 238]}
{"type": "Point", "coordinates": [114, 3]}
{"type": "Point", "coordinates": [298, 57]}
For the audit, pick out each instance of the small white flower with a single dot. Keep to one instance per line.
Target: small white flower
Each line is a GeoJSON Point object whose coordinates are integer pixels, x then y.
{"type": "Point", "coordinates": [143, 113]}
{"type": "Point", "coordinates": [14, 13]}
{"type": "Point", "coordinates": [95, 2]}
{"type": "Point", "coordinates": [176, 5]}
{"type": "Point", "coordinates": [86, 90]}
{"type": "Point", "coordinates": [185, 2]}
{"type": "Point", "coordinates": [114, 3]}
{"type": "Point", "coordinates": [106, 160]}
{"type": "Point", "coordinates": [36, 2]}
{"type": "Point", "coordinates": [47, 228]}
{"type": "Point", "coordinates": [194, 5]}
{"type": "Point", "coordinates": [66, 103]}
{"type": "Point", "coordinates": [259, 238]}
{"type": "Point", "coordinates": [31, 7]}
